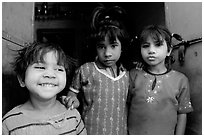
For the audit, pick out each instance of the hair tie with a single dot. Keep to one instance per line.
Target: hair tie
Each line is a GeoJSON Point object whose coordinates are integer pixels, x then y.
{"type": "Point", "coordinates": [107, 17]}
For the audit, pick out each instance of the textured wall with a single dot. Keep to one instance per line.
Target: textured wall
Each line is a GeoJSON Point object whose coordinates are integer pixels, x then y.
{"type": "Point", "coordinates": [186, 20]}
{"type": "Point", "coordinates": [17, 28]}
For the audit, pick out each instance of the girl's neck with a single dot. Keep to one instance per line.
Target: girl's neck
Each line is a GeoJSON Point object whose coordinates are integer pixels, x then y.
{"type": "Point", "coordinates": [43, 109]}
{"type": "Point", "coordinates": [112, 69]}
{"type": "Point", "coordinates": [157, 70]}
{"type": "Point", "coordinates": [43, 105]}
{"type": "Point", "coordinates": [102, 66]}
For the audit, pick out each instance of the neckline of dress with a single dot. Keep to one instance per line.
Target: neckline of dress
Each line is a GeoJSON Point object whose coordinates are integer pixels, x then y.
{"type": "Point", "coordinates": [114, 79]}
{"type": "Point", "coordinates": [167, 71]}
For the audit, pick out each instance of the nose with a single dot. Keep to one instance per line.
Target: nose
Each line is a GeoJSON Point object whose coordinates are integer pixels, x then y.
{"type": "Point", "coordinates": [151, 50]}
{"type": "Point", "coordinates": [49, 74]}
{"type": "Point", "coordinates": [108, 52]}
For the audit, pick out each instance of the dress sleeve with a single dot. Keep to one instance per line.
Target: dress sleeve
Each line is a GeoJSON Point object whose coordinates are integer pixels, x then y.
{"type": "Point", "coordinates": [76, 82]}
{"type": "Point", "coordinates": [184, 97]}
{"type": "Point", "coordinates": [80, 128]}
{"type": "Point", "coordinates": [5, 130]}
{"type": "Point", "coordinates": [132, 77]}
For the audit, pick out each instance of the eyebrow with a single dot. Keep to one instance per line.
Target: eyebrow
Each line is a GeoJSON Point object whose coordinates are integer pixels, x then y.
{"type": "Point", "coordinates": [145, 42]}
{"type": "Point", "coordinates": [115, 41]}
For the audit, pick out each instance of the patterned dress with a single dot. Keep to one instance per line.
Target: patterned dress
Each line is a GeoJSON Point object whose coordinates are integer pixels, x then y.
{"type": "Point", "coordinates": [104, 104]}
{"type": "Point", "coordinates": [17, 122]}
{"type": "Point", "coordinates": [155, 102]}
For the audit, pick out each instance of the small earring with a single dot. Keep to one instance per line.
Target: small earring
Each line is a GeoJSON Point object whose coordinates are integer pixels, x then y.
{"type": "Point", "coordinates": [22, 84]}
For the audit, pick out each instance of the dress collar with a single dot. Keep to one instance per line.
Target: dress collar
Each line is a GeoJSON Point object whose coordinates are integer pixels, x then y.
{"type": "Point", "coordinates": [167, 71]}
{"type": "Point", "coordinates": [101, 66]}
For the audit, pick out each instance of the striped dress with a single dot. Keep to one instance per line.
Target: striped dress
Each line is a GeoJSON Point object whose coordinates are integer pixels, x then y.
{"type": "Point", "coordinates": [104, 100]}
{"type": "Point", "coordinates": [16, 122]}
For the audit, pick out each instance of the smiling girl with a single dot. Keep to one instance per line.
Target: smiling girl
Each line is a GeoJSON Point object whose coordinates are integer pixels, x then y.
{"type": "Point", "coordinates": [42, 68]}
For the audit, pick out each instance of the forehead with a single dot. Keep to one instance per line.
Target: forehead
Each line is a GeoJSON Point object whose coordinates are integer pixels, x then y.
{"type": "Point", "coordinates": [154, 38]}
{"type": "Point", "coordinates": [110, 40]}
{"type": "Point", "coordinates": [49, 57]}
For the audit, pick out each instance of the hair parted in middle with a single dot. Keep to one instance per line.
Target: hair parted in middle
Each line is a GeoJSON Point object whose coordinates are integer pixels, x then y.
{"type": "Point", "coordinates": [108, 21]}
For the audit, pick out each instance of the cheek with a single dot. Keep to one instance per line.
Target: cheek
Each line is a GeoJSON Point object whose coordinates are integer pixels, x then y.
{"type": "Point", "coordinates": [143, 52]}
{"type": "Point", "coordinates": [119, 52]}
{"type": "Point", "coordinates": [63, 79]}
{"type": "Point", "coordinates": [99, 52]}
{"type": "Point", "coordinates": [31, 80]}
{"type": "Point", "coordinates": [166, 53]}
{"type": "Point", "coordinates": [30, 76]}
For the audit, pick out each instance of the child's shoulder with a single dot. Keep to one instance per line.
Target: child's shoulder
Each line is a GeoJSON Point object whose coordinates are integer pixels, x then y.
{"type": "Point", "coordinates": [135, 71]}
{"type": "Point", "coordinates": [87, 64]}
{"type": "Point", "coordinates": [178, 74]}
{"type": "Point", "coordinates": [73, 113]}
{"type": "Point", "coordinates": [13, 112]}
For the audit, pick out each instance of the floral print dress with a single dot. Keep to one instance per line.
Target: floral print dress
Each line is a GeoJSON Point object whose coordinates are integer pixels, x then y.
{"type": "Point", "coordinates": [156, 100]}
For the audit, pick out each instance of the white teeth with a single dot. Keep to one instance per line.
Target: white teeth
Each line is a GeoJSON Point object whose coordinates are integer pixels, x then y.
{"type": "Point", "coordinates": [47, 85]}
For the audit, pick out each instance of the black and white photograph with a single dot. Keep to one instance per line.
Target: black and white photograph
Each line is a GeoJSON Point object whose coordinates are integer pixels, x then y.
{"type": "Point", "coordinates": [101, 68]}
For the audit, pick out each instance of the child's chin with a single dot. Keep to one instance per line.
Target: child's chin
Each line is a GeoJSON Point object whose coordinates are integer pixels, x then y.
{"type": "Point", "coordinates": [109, 64]}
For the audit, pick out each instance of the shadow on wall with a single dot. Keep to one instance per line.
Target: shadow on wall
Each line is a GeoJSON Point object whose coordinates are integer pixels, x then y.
{"type": "Point", "coordinates": [12, 93]}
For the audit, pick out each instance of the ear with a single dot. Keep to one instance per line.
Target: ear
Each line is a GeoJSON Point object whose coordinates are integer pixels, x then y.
{"type": "Point", "coordinates": [22, 84]}
{"type": "Point", "coordinates": [169, 52]}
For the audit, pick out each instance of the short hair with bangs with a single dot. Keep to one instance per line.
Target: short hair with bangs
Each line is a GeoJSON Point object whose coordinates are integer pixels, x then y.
{"type": "Point", "coordinates": [112, 32]}
{"type": "Point", "coordinates": [34, 53]}
{"type": "Point", "coordinates": [158, 33]}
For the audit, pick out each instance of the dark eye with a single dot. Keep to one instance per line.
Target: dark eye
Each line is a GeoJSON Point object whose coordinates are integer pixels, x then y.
{"type": "Point", "coordinates": [114, 45]}
{"type": "Point", "coordinates": [39, 67]}
{"type": "Point", "coordinates": [144, 45]}
{"type": "Point", "coordinates": [61, 69]}
{"type": "Point", "coordinates": [158, 44]}
{"type": "Point", "coordinates": [100, 46]}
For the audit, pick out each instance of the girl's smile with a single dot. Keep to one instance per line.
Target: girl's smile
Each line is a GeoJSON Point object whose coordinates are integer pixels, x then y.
{"type": "Point", "coordinates": [44, 80]}
{"type": "Point", "coordinates": [47, 84]}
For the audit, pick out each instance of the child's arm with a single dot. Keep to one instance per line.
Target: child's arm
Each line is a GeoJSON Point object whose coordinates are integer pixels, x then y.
{"type": "Point", "coordinates": [70, 101]}
{"type": "Point", "coordinates": [181, 124]}
{"type": "Point", "coordinates": [184, 105]}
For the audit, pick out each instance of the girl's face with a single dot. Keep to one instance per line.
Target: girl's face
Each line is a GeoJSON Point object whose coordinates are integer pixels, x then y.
{"type": "Point", "coordinates": [154, 52]}
{"type": "Point", "coordinates": [45, 80]}
{"type": "Point", "coordinates": [109, 52]}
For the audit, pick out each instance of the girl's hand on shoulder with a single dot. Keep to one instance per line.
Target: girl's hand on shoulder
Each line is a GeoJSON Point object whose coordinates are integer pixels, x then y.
{"type": "Point", "coordinates": [70, 102]}
{"type": "Point", "coordinates": [138, 65]}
